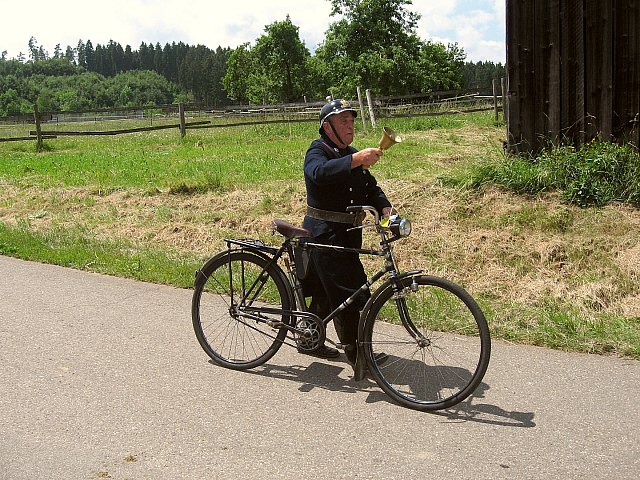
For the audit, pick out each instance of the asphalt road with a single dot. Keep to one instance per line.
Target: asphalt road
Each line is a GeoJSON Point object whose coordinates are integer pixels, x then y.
{"type": "Point", "coordinates": [102, 377]}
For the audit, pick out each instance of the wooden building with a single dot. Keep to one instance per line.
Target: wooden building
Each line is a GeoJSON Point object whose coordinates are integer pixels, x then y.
{"type": "Point", "coordinates": [573, 72]}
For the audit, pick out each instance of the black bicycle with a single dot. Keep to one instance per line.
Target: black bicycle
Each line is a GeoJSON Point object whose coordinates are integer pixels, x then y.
{"type": "Point", "coordinates": [424, 339]}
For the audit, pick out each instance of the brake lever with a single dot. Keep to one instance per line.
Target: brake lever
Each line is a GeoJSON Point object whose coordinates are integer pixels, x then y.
{"type": "Point", "coordinates": [363, 226]}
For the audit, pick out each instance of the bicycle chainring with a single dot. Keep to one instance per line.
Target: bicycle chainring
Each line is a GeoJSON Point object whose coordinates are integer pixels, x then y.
{"type": "Point", "coordinates": [310, 334]}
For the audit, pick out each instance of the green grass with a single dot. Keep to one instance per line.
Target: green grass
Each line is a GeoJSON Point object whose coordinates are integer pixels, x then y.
{"type": "Point", "coordinates": [596, 174]}
{"type": "Point", "coordinates": [557, 326]}
{"type": "Point", "coordinates": [79, 250]}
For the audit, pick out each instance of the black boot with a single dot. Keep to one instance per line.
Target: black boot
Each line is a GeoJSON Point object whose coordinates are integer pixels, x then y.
{"type": "Point", "coordinates": [321, 352]}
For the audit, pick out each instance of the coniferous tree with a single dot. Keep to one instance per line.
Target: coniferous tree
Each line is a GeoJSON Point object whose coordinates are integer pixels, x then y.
{"type": "Point", "coordinates": [69, 55]}
{"type": "Point", "coordinates": [82, 57]}
{"type": "Point", "coordinates": [90, 56]}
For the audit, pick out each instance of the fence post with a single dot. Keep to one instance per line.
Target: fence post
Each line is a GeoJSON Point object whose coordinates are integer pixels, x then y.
{"type": "Point", "coordinates": [364, 123]}
{"type": "Point", "coordinates": [371, 114]}
{"type": "Point", "coordinates": [36, 116]}
{"type": "Point", "coordinates": [494, 84]}
{"type": "Point", "coordinates": [183, 129]}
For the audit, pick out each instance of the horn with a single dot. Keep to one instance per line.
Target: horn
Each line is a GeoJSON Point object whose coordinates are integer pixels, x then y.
{"type": "Point", "coordinates": [389, 138]}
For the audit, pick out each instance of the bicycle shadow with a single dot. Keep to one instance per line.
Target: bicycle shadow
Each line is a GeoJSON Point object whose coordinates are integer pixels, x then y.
{"type": "Point", "coordinates": [447, 378]}
{"type": "Point", "coordinates": [316, 375]}
{"type": "Point", "coordinates": [468, 411]}
{"type": "Point", "coordinates": [327, 376]}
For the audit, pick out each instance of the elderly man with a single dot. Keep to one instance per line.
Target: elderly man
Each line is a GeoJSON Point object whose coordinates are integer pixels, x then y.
{"type": "Point", "coordinates": [336, 177]}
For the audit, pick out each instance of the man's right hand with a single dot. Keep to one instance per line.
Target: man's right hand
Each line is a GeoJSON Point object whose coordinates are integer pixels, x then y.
{"type": "Point", "coordinates": [366, 157]}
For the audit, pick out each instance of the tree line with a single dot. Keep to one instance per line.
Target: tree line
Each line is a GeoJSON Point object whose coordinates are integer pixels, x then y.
{"type": "Point", "coordinates": [373, 44]}
{"type": "Point", "coordinates": [87, 77]}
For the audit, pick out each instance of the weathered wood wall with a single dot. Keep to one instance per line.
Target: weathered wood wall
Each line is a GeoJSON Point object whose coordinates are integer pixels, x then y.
{"type": "Point", "coordinates": [573, 72]}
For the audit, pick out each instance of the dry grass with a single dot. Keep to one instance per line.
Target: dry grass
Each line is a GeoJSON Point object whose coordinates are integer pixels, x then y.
{"type": "Point", "coordinates": [590, 260]}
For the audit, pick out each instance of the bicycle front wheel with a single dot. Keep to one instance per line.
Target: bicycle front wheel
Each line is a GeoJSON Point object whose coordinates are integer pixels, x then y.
{"type": "Point", "coordinates": [239, 309]}
{"type": "Point", "coordinates": [427, 345]}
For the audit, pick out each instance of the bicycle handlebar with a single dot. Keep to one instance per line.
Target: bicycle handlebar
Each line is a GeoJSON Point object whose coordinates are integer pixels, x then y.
{"type": "Point", "coordinates": [366, 208]}
{"type": "Point", "coordinates": [400, 227]}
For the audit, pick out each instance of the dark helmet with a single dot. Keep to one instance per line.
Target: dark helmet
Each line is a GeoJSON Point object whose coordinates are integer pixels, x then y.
{"type": "Point", "coordinates": [335, 106]}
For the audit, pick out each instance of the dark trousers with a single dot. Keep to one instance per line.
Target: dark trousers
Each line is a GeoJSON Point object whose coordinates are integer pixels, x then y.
{"type": "Point", "coordinates": [333, 278]}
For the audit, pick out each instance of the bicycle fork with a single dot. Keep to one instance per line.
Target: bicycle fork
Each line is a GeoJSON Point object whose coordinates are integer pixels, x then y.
{"type": "Point", "coordinates": [400, 297]}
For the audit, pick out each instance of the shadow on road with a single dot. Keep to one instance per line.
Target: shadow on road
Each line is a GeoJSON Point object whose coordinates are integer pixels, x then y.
{"type": "Point", "coordinates": [326, 376]}
{"type": "Point", "coordinates": [470, 411]}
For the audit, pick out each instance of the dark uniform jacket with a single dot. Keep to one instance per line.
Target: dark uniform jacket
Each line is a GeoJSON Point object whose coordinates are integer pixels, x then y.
{"type": "Point", "coordinates": [332, 185]}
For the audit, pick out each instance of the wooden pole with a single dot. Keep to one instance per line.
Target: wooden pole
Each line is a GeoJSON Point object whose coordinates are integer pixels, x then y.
{"type": "Point", "coordinates": [372, 116]}
{"type": "Point", "coordinates": [36, 116]}
{"type": "Point", "coordinates": [494, 83]}
{"type": "Point", "coordinates": [364, 123]}
{"type": "Point", "coordinates": [183, 130]}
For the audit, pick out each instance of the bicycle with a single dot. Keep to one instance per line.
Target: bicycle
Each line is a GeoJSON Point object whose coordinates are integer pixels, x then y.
{"type": "Point", "coordinates": [424, 339]}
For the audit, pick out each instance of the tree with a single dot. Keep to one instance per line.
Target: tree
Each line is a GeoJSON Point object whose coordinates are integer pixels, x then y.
{"type": "Point", "coordinates": [375, 44]}
{"type": "Point", "coordinates": [69, 55]}
{"type": "Point", "coordinates": [239, 65]}
{"type": "Point", "coordinates": [275, 70]}
{"type": "Point", "coordinates": [82, 58]}
{"type": "Point", "coordinates": [375, 25]}
{"type": "Point", "coordinates": [218, 71]}
{"type": "Point", "coordinates": [481, 74]}
{"type": "Point", "coordinates": [90, 56]}
{"type": "Point", "coordinates": [115, 58]}
{"type": "Point", "coordinates": [33, 49]}
{"type": "Point", "coordinates": [146, 54]}
{"type": "Point", "coordinates": [283, 60]}
{"type": "Point", "coordinates": [128, 59]}
{"type": "Point", "coordinates": [441, 66]}
{"type": "Point", "coordinates": [198, 74]}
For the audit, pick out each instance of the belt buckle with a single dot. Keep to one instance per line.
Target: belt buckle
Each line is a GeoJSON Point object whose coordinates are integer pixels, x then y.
{"type": "Point", "coordinates": [359, 217]}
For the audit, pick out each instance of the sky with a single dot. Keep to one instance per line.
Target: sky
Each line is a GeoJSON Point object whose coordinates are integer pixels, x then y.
{"type": "Point", "coordinates": [478, 26]}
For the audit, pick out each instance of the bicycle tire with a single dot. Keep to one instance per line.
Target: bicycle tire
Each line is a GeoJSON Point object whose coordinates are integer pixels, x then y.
{"type": "Point", "coordinates": [230, 337]}
{"type": "Point", "coordinates": [439, 355]}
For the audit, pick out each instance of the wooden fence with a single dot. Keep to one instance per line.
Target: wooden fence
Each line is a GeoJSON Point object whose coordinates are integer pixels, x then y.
{"type": "Point", "coordinates": [49, 125]}
{"type": "Point", "coordinates": [573, 72]}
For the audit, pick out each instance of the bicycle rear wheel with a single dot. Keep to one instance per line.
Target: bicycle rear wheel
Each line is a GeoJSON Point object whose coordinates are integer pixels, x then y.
{"type": "Point", "coordinates": [435, 341]}
{"type": "Point", "coordinates": [237, 309]}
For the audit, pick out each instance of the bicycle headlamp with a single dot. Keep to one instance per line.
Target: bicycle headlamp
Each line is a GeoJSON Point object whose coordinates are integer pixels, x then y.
{"type": "Point", "coordinates": [400, 227]}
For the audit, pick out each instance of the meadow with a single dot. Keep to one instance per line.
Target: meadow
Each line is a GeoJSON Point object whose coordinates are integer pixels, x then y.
{"type": "Point", "coordinates": [153, 206]}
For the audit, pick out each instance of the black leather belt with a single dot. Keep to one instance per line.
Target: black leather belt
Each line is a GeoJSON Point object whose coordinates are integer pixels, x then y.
{"type": "Point", "coordinates": [338, 217]}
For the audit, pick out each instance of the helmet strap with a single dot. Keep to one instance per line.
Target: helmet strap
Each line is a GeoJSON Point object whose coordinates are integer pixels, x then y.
{"type": "Point", "coordinates": [335, 132]}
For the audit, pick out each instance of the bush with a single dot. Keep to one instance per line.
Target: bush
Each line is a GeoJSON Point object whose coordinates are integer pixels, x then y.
{"type": "Point", "coordinates": [596, 174]}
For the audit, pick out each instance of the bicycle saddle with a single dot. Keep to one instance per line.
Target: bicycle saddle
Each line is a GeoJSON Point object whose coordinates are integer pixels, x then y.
{"type": "Point", "coordinates": [289, 230]}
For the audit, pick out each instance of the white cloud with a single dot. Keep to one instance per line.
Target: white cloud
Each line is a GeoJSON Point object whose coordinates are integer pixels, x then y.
{"type": "Point", "coordinates": [130, 22]}
{"type": "Point", "coordinates": [479, 31]}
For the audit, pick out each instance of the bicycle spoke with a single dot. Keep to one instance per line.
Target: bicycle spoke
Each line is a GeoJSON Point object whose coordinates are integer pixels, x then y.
{"type": "Point", "coordinates": [230, 335]}
{"type": "Point", "coordinates": [435, 344]}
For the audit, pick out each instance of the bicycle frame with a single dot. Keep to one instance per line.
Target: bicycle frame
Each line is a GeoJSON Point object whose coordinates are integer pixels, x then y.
{"type": "Point", "coordinates": [274, 254]}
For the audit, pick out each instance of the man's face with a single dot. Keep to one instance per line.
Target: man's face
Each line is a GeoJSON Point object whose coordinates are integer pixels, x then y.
{"type": "Point", "coordinates": [343, 124]}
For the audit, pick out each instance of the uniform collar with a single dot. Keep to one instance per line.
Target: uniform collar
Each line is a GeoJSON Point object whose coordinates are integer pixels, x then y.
{"type": "Point", "coordinates": [333, 146]}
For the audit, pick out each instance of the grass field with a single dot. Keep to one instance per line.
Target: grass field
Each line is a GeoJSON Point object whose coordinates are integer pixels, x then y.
{"type": "Point", "coordinates": [153, 207]}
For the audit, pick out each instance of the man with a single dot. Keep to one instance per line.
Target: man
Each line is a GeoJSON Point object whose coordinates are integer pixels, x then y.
{"type": "Point", "coordinates": [336, 177]}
